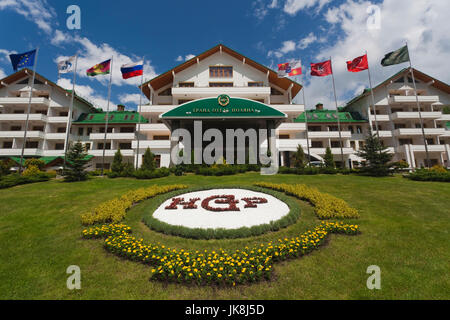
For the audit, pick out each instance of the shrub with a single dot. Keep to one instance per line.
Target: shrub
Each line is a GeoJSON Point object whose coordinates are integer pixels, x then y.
{"type": "Point", "coordinates": [325, 205]}
{"type": "Point", "coordinates": [329, 159]}
{"type": "Point", "coordinates": [245, 265]}
{"type": "Point", "coordinates": [117, 165]}
{"type": "Point", "coordinates": [148, 161]}
{"type": "Point", "coordinates": [151, 174]}
{"type": "Point", "coordinates": [377, 158]}
{"type": "Point", "coordinates": [5, 167]}
{"type": "Point", "coordinates": [429, 175]}
{"type": "Point", "coordinates": [114, 210]}
{"type": "Point", "coordinates": [17, 179]}
{"type": "Point", "coordinates": [31, 171]}
{"type": "Point", "coordinates": [35, 162]}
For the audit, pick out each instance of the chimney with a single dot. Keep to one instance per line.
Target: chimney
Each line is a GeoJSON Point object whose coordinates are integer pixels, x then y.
{"type": "Point", "coordinates": [319, 106]}
{"type": "Point", "coordinates": [120, 107]}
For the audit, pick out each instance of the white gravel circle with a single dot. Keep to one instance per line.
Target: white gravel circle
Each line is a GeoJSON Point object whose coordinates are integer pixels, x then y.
{"type": "Point", "coordinates": [273, 210]}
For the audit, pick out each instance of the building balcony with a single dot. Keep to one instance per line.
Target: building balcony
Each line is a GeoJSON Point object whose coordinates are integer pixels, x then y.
{"type": "Point", "coordinates": [335, 151]}
{"type": "Point", "coordinates": [329, 134]}
{"type": "Point", "coordinates": [22, 117]}
{"type": "Point", "coordinates": [152, 144]}
{"type": "Point", "coordinates": [380, 117]}
{"type": "Point", "coordinates": [288, 144]}
{"type": "Point", "coordinates": [203, 92]}
{"type": "Point", "coordinates": [444, 117]}
{"type": "Point", "coordinates": [55, 136]}
{"type": "Point", "coordinates": [111, 153]}
{"type": "Point", "coordinates": [421, 148]}
{"type": "Point", "coordinates": [19, 101]}
{"type": "Point", "coordinates": [415, 115]}
{"type": "Point", "coordinates": [113, 136]}
{"type": "Point", "coordinates": [58, 119]}
{"type": "Point", "coordinates": [17, 152]}
{"type": "Point", "coordinates": [289, 108]}
{"type": "Point", "coordinates": [159, 127]}
{"type": "Point", "coordinates": [412, 99]}
{"type": "Point", "coordinates": [52, 153]}
{"type": "Point", "coordinates": [418, 131]}
{"type": "Point", "coordinates": [20, 134]}
{"type": "Point", "coordinates": [157, 109]}
{"type": "Point", "coordinates": [292, 126]}
{"type": "Point", "coordinates": [383, 133]}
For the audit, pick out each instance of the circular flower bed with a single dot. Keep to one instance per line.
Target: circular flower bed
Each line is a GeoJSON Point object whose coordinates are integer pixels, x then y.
{"type": "Point", "coordinates": [221, 213]}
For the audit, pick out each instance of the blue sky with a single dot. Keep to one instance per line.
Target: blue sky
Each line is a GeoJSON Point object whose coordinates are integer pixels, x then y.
{"type": "Point", "coordinates": [268, 31]}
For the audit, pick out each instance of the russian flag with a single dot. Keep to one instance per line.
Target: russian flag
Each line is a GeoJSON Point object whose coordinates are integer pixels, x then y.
{"type": "Point", "coordinates": [132, 70]}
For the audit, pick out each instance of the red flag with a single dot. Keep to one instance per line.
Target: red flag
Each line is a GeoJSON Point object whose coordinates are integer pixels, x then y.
{"type": "Point", "coordinates": [321, 69]}
{"type": "Point", "coordinates": [358, 64]}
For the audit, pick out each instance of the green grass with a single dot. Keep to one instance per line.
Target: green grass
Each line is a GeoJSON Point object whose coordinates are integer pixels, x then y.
{"type": "Point", "coordinates": [404, 226]}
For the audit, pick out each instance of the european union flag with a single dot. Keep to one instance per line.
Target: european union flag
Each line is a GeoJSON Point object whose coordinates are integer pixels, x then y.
{"type": "Point", "coordinates": [22, 60]}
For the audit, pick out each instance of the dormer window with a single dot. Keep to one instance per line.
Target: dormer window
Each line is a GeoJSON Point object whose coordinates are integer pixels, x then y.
{"type": "Point", "coordinates": [220, 72]}
{"type": "Point", "coordinates": [186, 84]}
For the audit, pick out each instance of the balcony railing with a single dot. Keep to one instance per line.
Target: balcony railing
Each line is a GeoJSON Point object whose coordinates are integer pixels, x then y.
{"type": "Point", "coordinates": [14, 101]}
{"type": "Point", "coordinates": [418, 131]}
{"type": "Point", "coordinates": [22, 117]}
{"type": "Point", "coordinates": [20, 134]}
{"type": "Point", "coordinates": [415, 115]}
{"type": "Point", "coordinates": [329, 134]}
{"type": "Point", "coordinates": [113, 136]}
{"type": "Point", "coordinates": [152, 144]}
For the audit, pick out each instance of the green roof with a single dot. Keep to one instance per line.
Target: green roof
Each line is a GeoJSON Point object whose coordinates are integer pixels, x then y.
{"type": "Point", "coordinates": [324, 116]}
{"type": "Point", "coordinates": [47, 160]}
{"type": "Point", "coordinates": [114, 117]}
{"type": "Point", "coordinates": [223, 107]}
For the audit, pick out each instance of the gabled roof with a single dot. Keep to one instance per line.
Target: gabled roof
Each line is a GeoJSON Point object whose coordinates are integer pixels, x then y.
{"type": "Point", "coordinates": [115, 117]}
{"type": "Point", "coordinates": [167, 77]}
{"type": "Point", "coordinates": [27, 72]}
{"type": "Point", "coordinates": [417, 74]}
{"type": "Point", "coordinates": [329, 116]}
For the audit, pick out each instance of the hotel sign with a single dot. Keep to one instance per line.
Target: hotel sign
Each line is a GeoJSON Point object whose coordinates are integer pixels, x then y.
{"type": "Point", "coordinates": [223, 107]}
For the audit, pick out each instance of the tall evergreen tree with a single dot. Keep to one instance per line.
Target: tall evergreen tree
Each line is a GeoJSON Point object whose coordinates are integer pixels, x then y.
{"type": "Point", "coordinates": [76, 163]}
{"type": "Point", "coordinates": [148, 161]}
{"type": "Point", "coordinates": [299, 157]}
{"type": "Point", "coordinates": [328, 158]}
{"type": "Point", "coordinates": [376, 156]}
{"type": "Point", "coordinates": [117, 165]}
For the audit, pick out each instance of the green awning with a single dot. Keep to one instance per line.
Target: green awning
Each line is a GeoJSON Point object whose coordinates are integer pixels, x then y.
{"type": "Point", "coordinates": [223, 107]}
{"type": "Point", "coordinates": [115, 117]}
{"type": "Point", "coordinates": [47, 160]}
{"type": "Point", "coordinates": [326, 116]}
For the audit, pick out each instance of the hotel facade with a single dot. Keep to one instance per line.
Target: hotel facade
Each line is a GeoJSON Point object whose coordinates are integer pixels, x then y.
{"type": "Point", "coordinates": [226, 90]}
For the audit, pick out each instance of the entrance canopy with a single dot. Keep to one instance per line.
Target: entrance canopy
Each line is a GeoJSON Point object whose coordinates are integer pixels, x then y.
{"type": "Point", "coordinates": [223, 107]}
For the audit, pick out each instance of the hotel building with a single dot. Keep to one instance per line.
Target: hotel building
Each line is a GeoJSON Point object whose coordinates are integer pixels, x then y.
{"type": "Point", "coordinates": [226, 90]}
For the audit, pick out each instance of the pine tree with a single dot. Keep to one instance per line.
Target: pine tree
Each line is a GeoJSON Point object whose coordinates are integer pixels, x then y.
{"type": "Point", "coordinates": [328, 158]}
{"type": "Point", "coordinates": [117, 165]}
{"type": "Point", "coordinates": [148, 161]}
{"type": "Point", "coordinates": [376, 156]}
{"type": "Point", "coordinates": [299, 158]}
{"type": "Point", "coordinates": [76, 163]}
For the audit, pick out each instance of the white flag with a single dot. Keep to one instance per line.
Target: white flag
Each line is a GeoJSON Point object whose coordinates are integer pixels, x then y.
{"type": "Point", "coordinates": [66, 66]}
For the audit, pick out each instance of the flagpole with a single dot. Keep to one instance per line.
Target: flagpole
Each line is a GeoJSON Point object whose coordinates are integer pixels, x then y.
{"type": "Point", "coordinates": [418, 109]}
{"type": "Point", "coordinates": [337, 115]}
{"type": "Point", "coordinates": [69, 122]}
{"type": "Point", "coordinates": [306, 123]}
{"type": "Point", "coordinates": [29, 109]}
{"type": "Point", "coordinates": [373, 100]}
{"type": "Point", "coordinates": [107, 115]}
{"type": "Point", "coordinates": [139, 115]}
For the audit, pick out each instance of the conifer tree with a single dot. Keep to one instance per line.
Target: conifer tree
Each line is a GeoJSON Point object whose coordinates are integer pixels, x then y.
{"type": "Point", "coordinates": [376, 156]}
{"type": "Point", "coordinates": [328, 158]}
{"type": "Point", "coordinates": [148, 161]}
{"type": "Point", "coordinates": [76, 162]}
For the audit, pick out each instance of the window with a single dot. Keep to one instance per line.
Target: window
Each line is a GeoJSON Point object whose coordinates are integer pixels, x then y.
{"type": "Point", "coordinates": [158, 160]}
{"type": "Point", "coordinates": [19, 111]}
{"type": "Point", "coordinates": [127, 129]}
{"type": "Point", "coordinates": [7, 145]}
{"type": "Point", "coordinates": [283, 136]}
{"type": "Point", "coordinates": [221, 84]}
{"type": "Point", "coordinates": [353, 145]}
{"type": "Point", "coordinates": [167, 92]}
{"type": "Point", "coordinates": [335, 144]}
{"type": "Point", "coordinates": [430, 141]}
{"type": "Point", "coordinates": [160, 137]}
{"type": "Point", "coordinates": [16, 128]}
{"type": "Point", "coordinates": [275, 92]}
{"type": "Point", "coordinates": [102, 130]}
{"type": "Point", "coordinates": [107, 147]}
{"type": "Point", "coordinates": [61, 130]}
{"type": "Point", "coordinates": [405, 141]}
{"type": "Point", "coordinates": [38, 128]}
{"type": "Point", "coordinates": [80, 131]}
{"type": "Point", "coordinates": [125, 145]}
{"type": "Point", "coordinates": [59, 146]}
{"type": "Point", "coordinates": [333, 128]}
{"type": "Point", "coordinates": [314, 128]}
{"type": "Point", "coordinates": [32, 145]}
{"type": "Point", "coordinates": [316, 144]}
{"type": "Point", "coordinates": [87, 146]}
{"type": "Point", "coordinates": [89, 131]}
{"type": "Point", "coordinates": [186, 84]}
{"type": "Point", "coordinates": [256, 84]}
{"type": "Point", "coordinates": [399, 126]}
{"type": "Point", "coordinates": [220, 72]}
{"type": "Point", "coordinates": [358, 129]}
{"type": "Point", "coordinates": [361, 144]}
{"type": "Point", "coordinates": [64, 114]}
{"type": "Point", "coordinates": [44, 112]}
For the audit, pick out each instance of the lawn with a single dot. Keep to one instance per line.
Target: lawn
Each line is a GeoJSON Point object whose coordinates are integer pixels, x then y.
{"type": "Point", "coordinates": [404, 226]}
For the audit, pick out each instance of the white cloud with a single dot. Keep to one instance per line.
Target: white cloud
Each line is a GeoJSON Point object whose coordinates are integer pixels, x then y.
{"type": "Point", "coordinates": [60, 37]}
{"type": "Point", "coordinates": [186, 57]}
{"type": "Point", "coordinates": [87, 93]}
{"type": "Point", "coordinates": [2, 74]}
{"type": "Point", "coordinates": [91, 54]}
{"type": "Point", "coordinates": [424, 25]}
{"type": "Point", "coordinates": [37, 11]}
{"type": "Point", "coordinates": [133, 98]}
{"type": "Point", "coordinates": [287, 47]}
{"type": "Point", "coordinates": [273, 5]}
{"type": "Point", "coordinates": [189, 57]}
{"type": "Point", "coordinates": [291, 7]}
{"type": "Point", "coordinates": [305, 42]}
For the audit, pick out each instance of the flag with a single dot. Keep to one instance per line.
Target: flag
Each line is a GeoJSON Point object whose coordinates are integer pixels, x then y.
{"type": "Point", "coordinates": [284, 69]}
{"type": "Point", "coordinates": [22, 60]}
{"type": "Point", "coordinates": [101, 68]}
{"type": "Point", "coordinates": [395, 57]}
{"type": "Point", "coordinates": [321, 69]}
{"type": "Point", "coordinates": [132, 70]}
{"type": "Point", "coordinates": [296, 68]}
{"type": "Point", "coordinates": [358, 64]}
{"type": "Point", "coordinates": [65, 66]}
